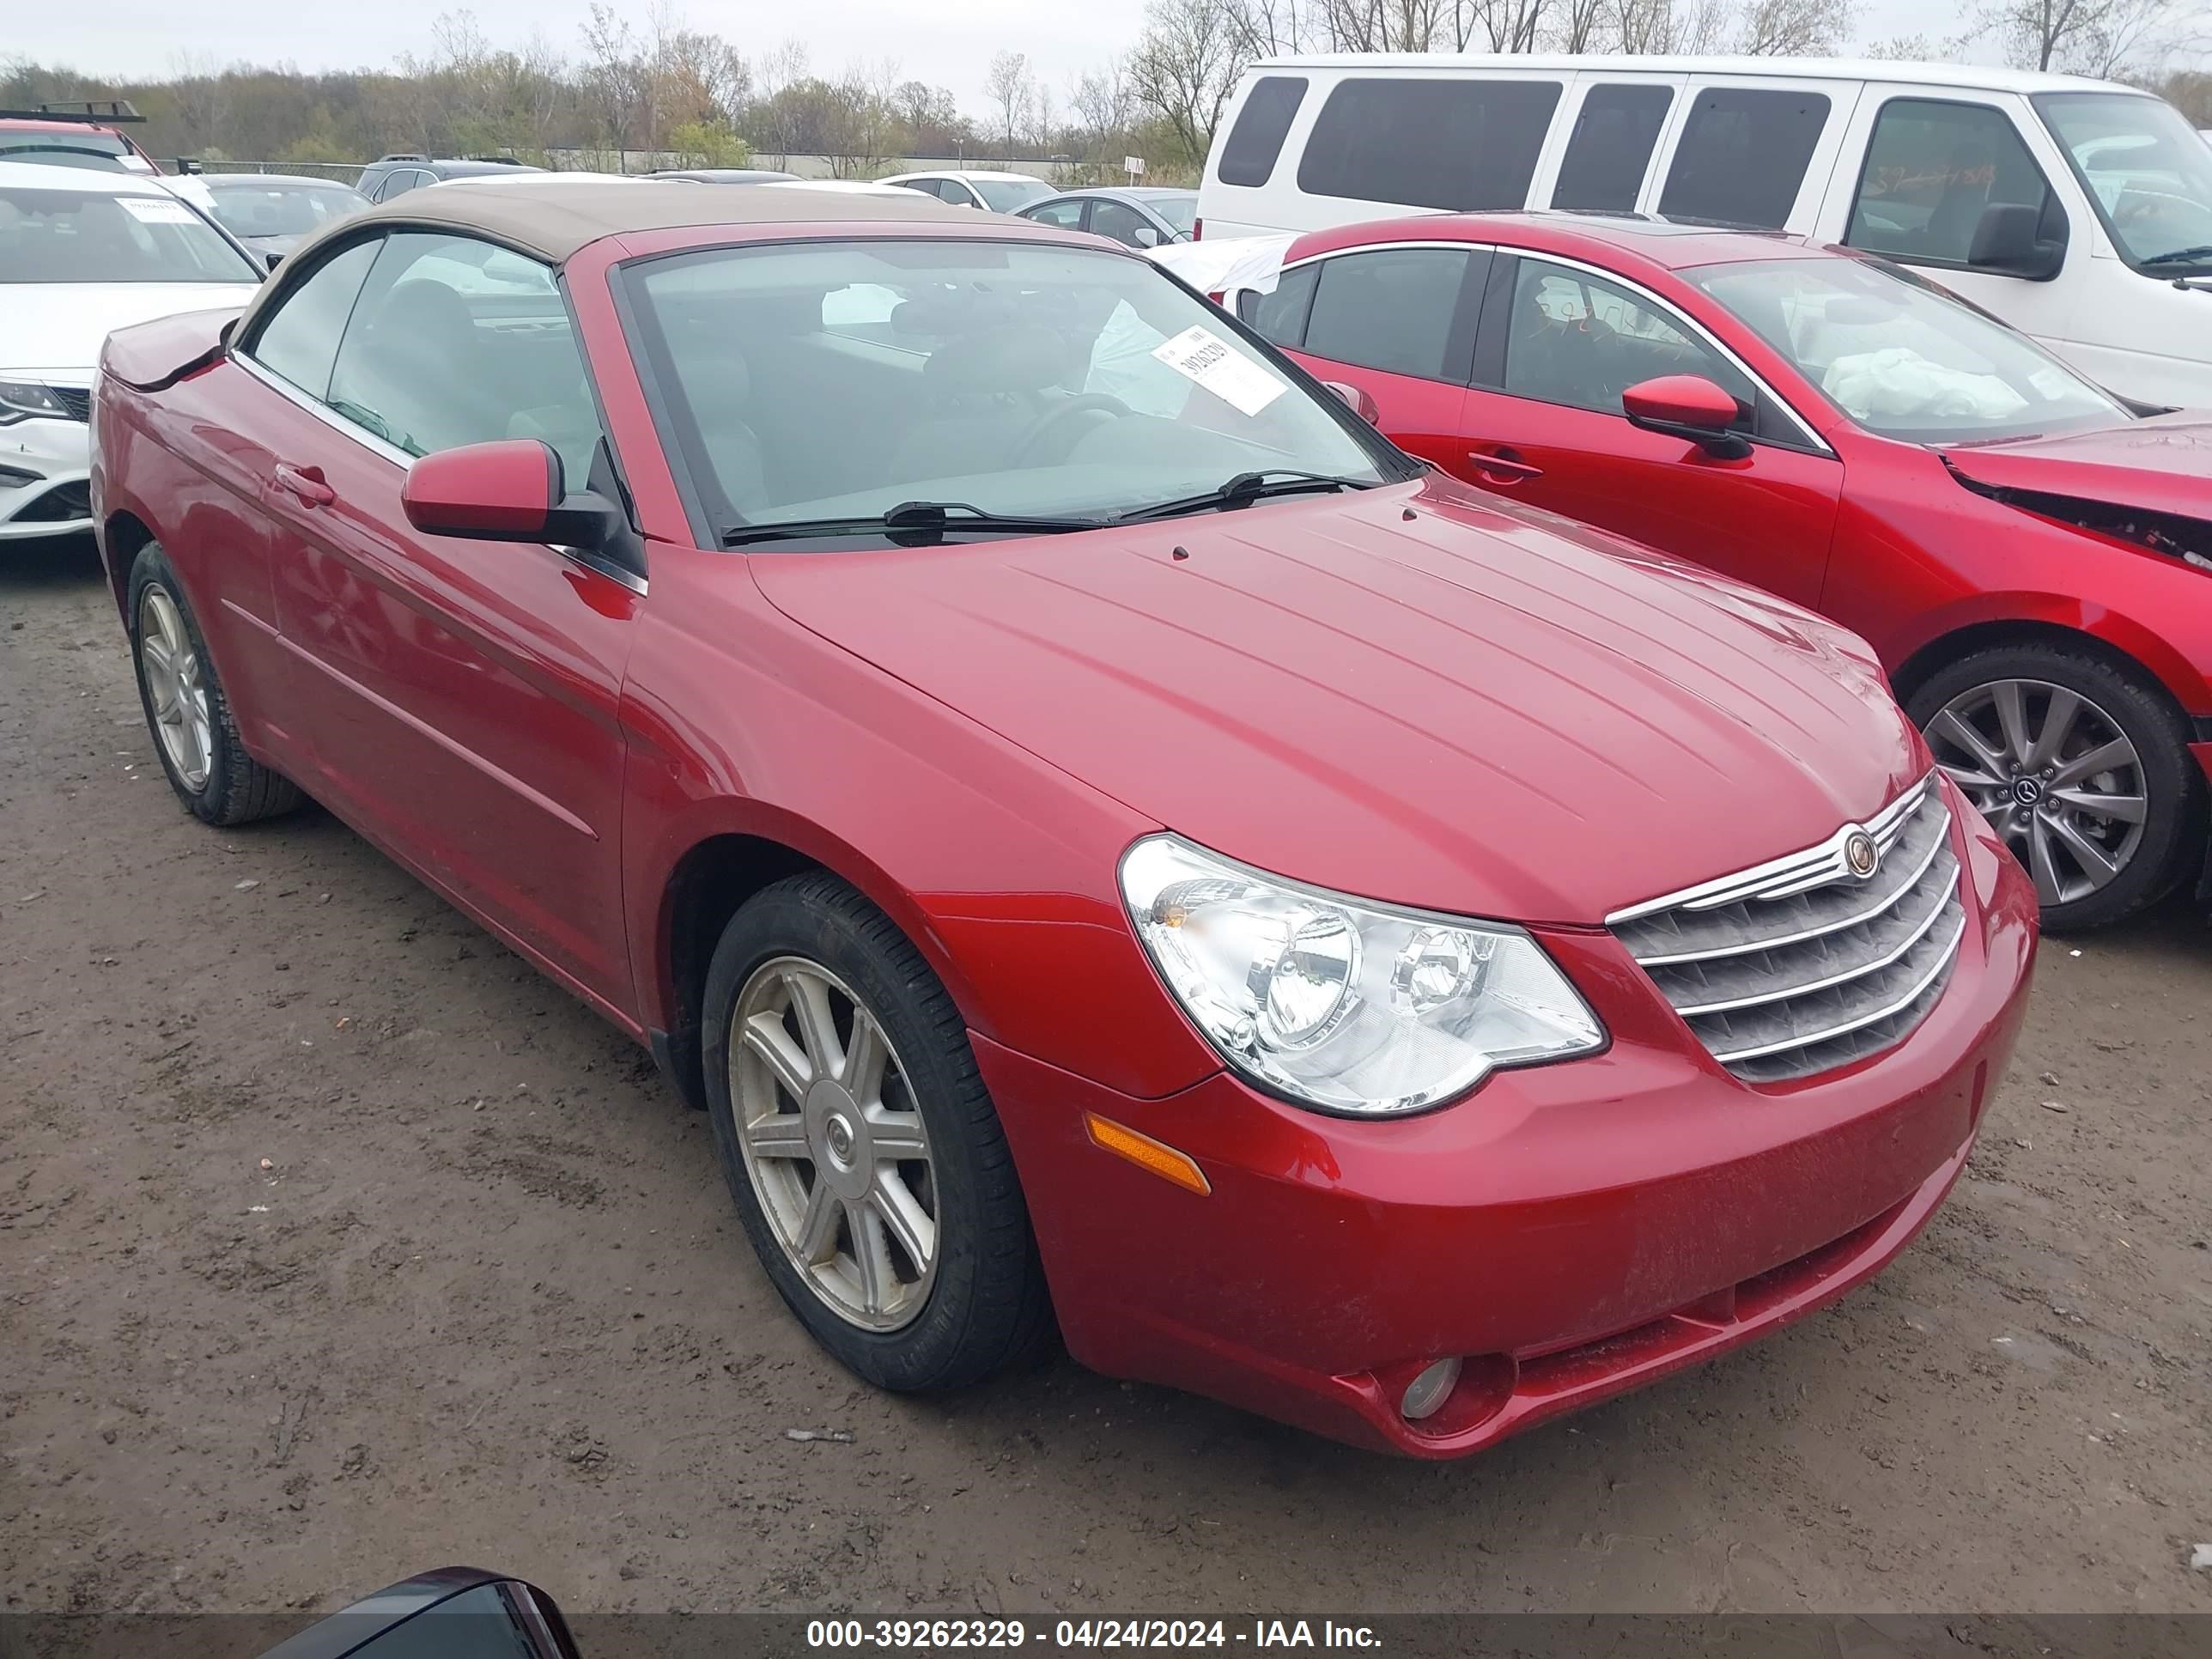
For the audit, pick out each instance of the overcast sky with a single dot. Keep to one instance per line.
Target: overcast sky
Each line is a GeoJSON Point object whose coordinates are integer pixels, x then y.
{"type": "Point", "coordinates": [947, 44]}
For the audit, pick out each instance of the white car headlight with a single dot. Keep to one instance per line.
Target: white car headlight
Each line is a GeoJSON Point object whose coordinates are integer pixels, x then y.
{"type": "Point", "coordinates": [21, 399]}
{"type": "Point", "coordinates": [1339, 1004]}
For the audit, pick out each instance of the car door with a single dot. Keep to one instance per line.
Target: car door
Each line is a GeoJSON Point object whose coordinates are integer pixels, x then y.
{"type": "Point", "coordinates": [460, 696]}
{"type": "Point", "coordinates": [1124, 224]}
{"type": "Point", "coordinates": [1397, 322]}
{"type": "Point", "coordinates": [1559, 343]}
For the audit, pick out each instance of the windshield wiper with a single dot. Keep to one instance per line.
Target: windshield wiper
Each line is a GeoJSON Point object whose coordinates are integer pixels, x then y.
{"type": "Point", "coordinates": [2180, 256]}
{"type": "Point", "coordinates": [1245, 489]}
{"type": "Point", "coordinates": [910, 524]}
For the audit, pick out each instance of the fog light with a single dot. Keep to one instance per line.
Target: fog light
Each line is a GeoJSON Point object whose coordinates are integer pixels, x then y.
{"type": "Point", "coordinates": [1426, 1392]}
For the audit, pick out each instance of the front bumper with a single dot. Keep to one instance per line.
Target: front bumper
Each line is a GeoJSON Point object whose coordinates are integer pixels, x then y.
{"type": "Point", "coordinates": [46, 470]}
{"type": "Point", "coordinates": [1569, 1231]}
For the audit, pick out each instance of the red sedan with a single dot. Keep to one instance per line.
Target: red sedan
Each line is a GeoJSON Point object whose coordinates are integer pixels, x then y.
{"type": "Point", "coordinates": [2027, 553]}
{"type": "Point", "coordinates": [1102, 831]}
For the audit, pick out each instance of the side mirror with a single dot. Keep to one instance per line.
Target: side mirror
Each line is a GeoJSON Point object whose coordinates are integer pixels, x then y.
{"type": "Point", "coordinates": [2009, 239]}
{"type": "Point", "coordinates": [1357, 399]}
{"type": "Point", "coordinates": [272, 257]}
{"type": "Point", "coordinates": [1690, 407]}
{"type": "Point", "coordinates": [510, 490]}
{"type": "Point", "coordinates": [1145, 236]}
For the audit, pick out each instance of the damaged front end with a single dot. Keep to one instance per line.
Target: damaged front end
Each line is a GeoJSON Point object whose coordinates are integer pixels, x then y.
{"type": "Point", "coordinates": [2177, 535]}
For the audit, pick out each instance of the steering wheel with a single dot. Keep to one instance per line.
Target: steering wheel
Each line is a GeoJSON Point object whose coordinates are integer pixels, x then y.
{"type": "Point", "coordinates": [1059, 415]}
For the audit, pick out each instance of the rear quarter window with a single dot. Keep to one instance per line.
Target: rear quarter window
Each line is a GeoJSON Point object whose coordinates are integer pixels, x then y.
{"type": "Point", "coordinates": [1456, 143]}
{"type": "Point", "coordinates": [1742, 155]}
{"type": "Point", "coordinates": [1254, 142]}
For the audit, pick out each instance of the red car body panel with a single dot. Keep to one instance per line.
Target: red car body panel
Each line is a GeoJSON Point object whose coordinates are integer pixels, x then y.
{"type": "Point", "coordinates": [973, 736]}
{"type": "Point", "coordinates": [1879, 534]}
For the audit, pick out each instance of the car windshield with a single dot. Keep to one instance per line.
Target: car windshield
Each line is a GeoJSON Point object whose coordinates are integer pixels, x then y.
{"type": "Point", "coordinates": [840, 379]}
{"type": "Point", "coordinates": [1010, 195]}
{"type": "Point", "coordinates": [70, 236]}
{"type": "Point", "coordinates": [1181, 211]}
{"type": "Point", "coordinates": [1901, 357]}
{"type": "Point", "coordinates": [260, 210]}
{"type": "Point", "coordinates": [2147, 170]}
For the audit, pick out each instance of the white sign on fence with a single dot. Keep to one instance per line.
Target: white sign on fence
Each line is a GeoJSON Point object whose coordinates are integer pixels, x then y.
{"type": "Point", "coordinates": [1134, 165]}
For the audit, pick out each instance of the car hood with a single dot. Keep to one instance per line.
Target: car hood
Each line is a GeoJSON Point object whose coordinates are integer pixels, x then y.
{"type": "Point", "coordinates": [1472, 708]}
{"type": "Point", "coordinates": [56, 328]}
{"type": "Point", "coordinates": [2164, 464]}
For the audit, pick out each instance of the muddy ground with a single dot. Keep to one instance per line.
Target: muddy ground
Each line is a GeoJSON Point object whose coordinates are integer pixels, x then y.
{"type": "Point", "coordinates": [489, 1304]}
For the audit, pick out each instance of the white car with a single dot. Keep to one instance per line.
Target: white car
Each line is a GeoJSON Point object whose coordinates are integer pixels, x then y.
{"type": "Point", "coordinates": [993, 192]}
{"type": "Point", "coordinates": [82, 252]}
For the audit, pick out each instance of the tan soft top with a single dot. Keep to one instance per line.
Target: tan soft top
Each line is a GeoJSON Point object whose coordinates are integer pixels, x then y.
{"type": "Point", "coordinates": [552, 221]}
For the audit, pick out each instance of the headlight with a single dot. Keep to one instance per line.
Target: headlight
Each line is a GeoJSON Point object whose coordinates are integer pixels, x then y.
{"type": "Point", "coordinates": [21, 399]}
{"type": "Point", "coordinates": [1339, 1004]}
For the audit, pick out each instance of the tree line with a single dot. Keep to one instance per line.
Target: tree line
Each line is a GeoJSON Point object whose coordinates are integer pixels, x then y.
{"type": "Point", "coordinates": [659, 85]}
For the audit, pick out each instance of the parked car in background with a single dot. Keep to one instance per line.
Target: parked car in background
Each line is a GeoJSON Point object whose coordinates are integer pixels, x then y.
{"type": "Point", "coordinates": [725, 175]}
{"type": "Point", "coordinates": [1096, 826]}
{"type": "Point", "coordinates": [2079, 211]}
{"type": "Point", "coordinates": [1140, 217]}
{"type": "Point", "coordinates": [449, 1613]}
{"type": "Point", "coordinates": [270, 212]}
{"type": "Point", "coordinates": [395, 175]}
{"type": "Point", "coordinates": [969, 188]}
{"type": "Point", "coordinates": [2031, 556]}
{"type": "Point", "coordinates": [89, 133]}
{"type": "Point", "coordinates": [83, 252]}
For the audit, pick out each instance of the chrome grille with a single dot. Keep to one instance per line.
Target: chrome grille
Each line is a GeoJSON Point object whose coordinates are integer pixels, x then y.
{"type": "Point", "coordinates": [1799, 966]}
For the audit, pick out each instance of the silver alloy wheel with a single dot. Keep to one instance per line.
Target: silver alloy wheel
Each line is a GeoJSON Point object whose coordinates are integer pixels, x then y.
{"type": "Point", "coordinates": [175, 687]}
{"type": "Point", "coordinates": [836, 1152]}
{"type": "Point", "coordinates": [2054, 774]}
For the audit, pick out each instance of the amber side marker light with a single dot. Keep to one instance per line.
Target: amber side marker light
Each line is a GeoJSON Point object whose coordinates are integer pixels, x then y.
{"type": "Point", "coordinates": [1147, 1154]}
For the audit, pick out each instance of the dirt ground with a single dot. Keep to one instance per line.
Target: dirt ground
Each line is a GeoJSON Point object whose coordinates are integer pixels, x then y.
{"type": "Point", "coordinates": [488, 1302]}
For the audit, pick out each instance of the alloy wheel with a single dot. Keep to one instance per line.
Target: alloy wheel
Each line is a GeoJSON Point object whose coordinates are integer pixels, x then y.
{"type": "Point", "coordinates": [2053, 774]}
{"type": "Point", "coordinates": [832, 1143]}
{"type": "Point", "coordinates": [176, 690]}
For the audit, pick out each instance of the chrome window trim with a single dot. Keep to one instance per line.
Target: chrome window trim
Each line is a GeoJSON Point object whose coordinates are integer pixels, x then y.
{"type": "Point", "coordinates": [1814, 442]}
{"type": "Point", "coordinates": [399, 458]}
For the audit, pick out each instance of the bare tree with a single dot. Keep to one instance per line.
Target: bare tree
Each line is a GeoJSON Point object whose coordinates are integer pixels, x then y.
{"type": "Point", "coordinates": [2093, 37]}
{"type": "Point", "coordinates": [1499, 25]}
{"type": "Point", "coordinates": [1579, 26]}
{"type": "Point", "coordinates": [1012, 88]}
{"type": "Point", "coordinates": [1646, 27]}
{"type": "Point", "coordinates": [1185, 65]}
{"type": "Point", "coordinates": [1795, 28]}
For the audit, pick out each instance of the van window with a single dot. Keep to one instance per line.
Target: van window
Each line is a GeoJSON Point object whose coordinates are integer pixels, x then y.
{"type": "Point", "coordinates": [1931, 169]}
{"type": "Point", "coordinates": [1742, 155]}
{"type": "Point", "coordinates": [1248, 156]}
{"type": "Point", "coordinates": [1458, 144]}
{"type": "Point", "coordinates": [1611, 147]}
{"type": "Point", "coordinates": [1393, 309]}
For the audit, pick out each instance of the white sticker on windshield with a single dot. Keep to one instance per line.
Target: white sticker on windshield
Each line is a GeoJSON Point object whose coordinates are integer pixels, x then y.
{"type": "Point", "coordinates": [157, 210]}
{"type": "Point", "coordinates": [1199, 354]}
{"type": "Point", "coordinates": [2051, 383]}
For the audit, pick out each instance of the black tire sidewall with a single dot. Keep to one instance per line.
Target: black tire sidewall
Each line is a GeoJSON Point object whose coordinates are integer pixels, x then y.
{"type": "Point", "coordinates": [966, 1328]}
{"type": "Point", "coordinates": [152, 569]}
{"type": "Point", "coordinates": [2173, 826]}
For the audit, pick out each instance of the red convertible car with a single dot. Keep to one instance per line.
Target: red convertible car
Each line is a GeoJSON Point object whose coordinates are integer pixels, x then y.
{"type": "Point", "coordinates": [2027, 553]}
{"type": "Point", "coordinates": [1104, 833]}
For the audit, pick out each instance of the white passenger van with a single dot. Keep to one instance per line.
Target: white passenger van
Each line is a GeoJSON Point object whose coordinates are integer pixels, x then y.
{"type": "Point", "coordinates": [2079, 211]}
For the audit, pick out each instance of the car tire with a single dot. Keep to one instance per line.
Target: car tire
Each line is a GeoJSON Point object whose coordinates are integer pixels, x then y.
{"type": "Point", "coordinates": [794, 1149]}
{"type": "Point", "coordinates": [186, 712]}
{"type": "Point", "coordinates": [1962, 709]}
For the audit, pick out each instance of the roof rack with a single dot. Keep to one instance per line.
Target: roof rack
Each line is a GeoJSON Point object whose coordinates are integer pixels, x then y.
{"type": "Point", "coordinates": [89, 111]}
{"type": "Point", "coordinates": [504, 160]}
{"type": "Point", "coordinates": [402, 155]}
